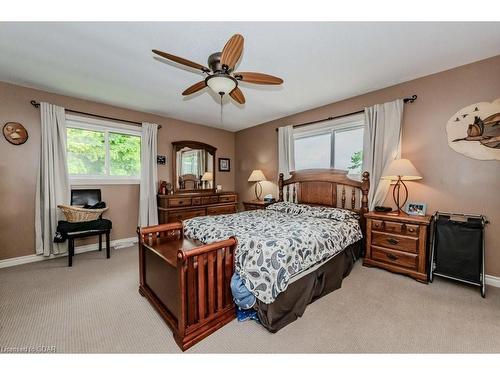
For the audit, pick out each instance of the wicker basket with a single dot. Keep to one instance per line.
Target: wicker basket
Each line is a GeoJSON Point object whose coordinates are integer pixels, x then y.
{"type": "Point", "coordinates": [76, 214]}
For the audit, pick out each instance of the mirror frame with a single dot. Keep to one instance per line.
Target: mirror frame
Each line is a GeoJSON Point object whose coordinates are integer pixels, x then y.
{"type": "Point", "coordinates": [179, 145]}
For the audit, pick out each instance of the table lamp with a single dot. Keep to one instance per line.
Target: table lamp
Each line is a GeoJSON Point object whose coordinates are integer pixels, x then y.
{"type": "Point", "coordinates": [207, 176]}
{"type": "Point", "coordinates": [401, 170]}
{"type": "Point", "coordinates": [257, 176]}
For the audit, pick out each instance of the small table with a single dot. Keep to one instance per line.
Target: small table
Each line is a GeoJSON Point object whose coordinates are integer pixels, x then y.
{"type": "Point", "coordinates": [398, 243]}
{"type": "Point", "coordinates": [256, 205]}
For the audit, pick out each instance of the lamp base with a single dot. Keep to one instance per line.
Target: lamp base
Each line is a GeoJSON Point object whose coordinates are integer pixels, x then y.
{"type": "Point", "coordinates": [396, 196]}
{"type": "Point", "coordinates": [258, 191]}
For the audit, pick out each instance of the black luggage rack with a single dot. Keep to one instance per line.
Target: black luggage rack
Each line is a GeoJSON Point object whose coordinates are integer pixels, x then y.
{"type": "Point", "coordinates": [458, 248]}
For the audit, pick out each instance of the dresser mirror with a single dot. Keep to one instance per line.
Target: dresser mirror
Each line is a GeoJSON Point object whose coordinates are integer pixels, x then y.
{"type": "Point", "coordinates": [193, 167]}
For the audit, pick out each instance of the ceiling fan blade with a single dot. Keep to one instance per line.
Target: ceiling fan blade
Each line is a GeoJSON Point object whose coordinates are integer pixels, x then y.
{"type": "Point", "coordinates": [181, 61]}
{"type": "Point", "coordinates": [237, 95]}
{"type": "Point", "coordinates": [258, 78]}
{"type": "Point", "coordinates": [232, 51]}
{"type": "Point", "coordinates": [194, 88]}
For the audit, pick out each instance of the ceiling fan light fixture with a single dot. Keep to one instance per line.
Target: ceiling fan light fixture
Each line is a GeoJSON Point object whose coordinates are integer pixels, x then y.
{"type": "Point", "coordinates": [221, 83]}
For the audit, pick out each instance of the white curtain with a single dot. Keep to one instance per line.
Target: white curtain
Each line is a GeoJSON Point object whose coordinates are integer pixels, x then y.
{"type": "Point", "coordinates": [286, 151]}
{"type": "Point", "coordinates": [52, 184]}
{"type": "Point", "coordinates": [381, 145]}
{"type": "Point", "coordinates": [148, 213]}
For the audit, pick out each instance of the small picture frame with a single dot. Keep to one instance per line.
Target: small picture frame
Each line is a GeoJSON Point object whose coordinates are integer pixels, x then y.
{"type": "Point", "coordinates": [416, 208]}
{"type": "Point", "coordinates": [161, 159]}
{"type": "Point", "coordinates": [224, 165]}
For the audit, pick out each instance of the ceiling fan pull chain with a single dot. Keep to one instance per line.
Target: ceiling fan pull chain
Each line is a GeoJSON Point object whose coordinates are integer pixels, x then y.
{"type": "Point", "coordinates": [221, 94]}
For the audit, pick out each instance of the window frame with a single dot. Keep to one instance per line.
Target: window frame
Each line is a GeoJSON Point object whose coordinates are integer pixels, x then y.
{"type": "Point", "coordinates": [347, 123]}
{"type": "Point", "coordinates": [105, 126]}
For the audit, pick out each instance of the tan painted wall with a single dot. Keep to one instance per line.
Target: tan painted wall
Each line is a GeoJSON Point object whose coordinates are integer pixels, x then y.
{"type": "Point", "coordinates": [18, 165]}
{"type": "Point", "coordinates": [452, 182]}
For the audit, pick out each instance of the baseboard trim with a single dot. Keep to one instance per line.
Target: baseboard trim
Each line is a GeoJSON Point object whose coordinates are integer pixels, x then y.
{"type": "Point", "coordinates": [117, 244]}
{"type": "Point", "coordinates": [493, 280]}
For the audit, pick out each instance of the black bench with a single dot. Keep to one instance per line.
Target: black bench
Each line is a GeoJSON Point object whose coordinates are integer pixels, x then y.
{"type": "Point", "coordinates": [95, 228]}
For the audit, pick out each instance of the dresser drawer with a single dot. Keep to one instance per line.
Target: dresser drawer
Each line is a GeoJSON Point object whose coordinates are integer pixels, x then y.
{"type": "Point", "coordinates": [196, 201]}
{"type": "Point", "coordinates": [230, 209]}
{"type": "Point", "coordinates": [179, 202]}
{"type": "Point", "coordinates": [210, 200]}
{"type": "Point", "coordinates": [395, 241]}
{"type": "Point", "coordinates": [398, 258]}
{"type": "Point", "coordinates": [185, 214]}
{"type": "Point", "coordinates": [227, 198]}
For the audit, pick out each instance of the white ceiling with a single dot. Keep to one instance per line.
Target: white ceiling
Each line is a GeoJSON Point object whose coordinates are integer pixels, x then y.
{"type": "Point", "coordinates": [320, 62]}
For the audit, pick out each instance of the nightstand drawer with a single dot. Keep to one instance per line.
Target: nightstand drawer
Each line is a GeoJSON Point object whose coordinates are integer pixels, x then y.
{"type": "Point", "coordinates": [393, 241]}
{"type": "Point", "coordinates": [412, 230]}
{"type": "Point", "coordinates": [394, 257]}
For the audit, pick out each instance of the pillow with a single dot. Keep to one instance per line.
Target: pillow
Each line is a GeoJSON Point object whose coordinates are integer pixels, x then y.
{"type": "Point", "coordinates": [334, 213]}
{"type": "Point", "coordinates": [288, 207]}
{"type": "Point", "coordinates": [319, 212]}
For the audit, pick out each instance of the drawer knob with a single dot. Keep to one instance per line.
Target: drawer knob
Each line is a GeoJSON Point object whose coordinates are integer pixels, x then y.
{"type": "Point", "coordinates": [392, 241]}
{"type": "Point", "coordinates": [392, 257]}
{"type": "Point", "coordinates": [411, 230]}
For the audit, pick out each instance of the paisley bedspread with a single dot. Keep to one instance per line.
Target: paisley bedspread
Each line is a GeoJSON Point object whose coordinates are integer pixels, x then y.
{"type": "Point", "coordinates": [279, 242]}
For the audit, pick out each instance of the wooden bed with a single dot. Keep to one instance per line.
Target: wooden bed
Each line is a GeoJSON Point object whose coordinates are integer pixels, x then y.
{"type": "Point", "coordinates": [327, 187]}
{"type": "Point", "coordinates": [189, 282]}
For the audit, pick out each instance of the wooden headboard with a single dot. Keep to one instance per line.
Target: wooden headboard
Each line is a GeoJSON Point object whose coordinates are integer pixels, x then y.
{"type": "Point", "coordinates": [326, 187]}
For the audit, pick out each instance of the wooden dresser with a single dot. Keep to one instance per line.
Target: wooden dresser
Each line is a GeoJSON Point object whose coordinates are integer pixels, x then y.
{"type": "Point", "coordinates": [398, 243]}
{"type": "Point", "coordinates": [178, 207]}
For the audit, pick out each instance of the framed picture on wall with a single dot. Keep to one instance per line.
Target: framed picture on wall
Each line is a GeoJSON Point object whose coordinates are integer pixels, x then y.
{"type": "Point", "coordinates": [224, 165]}
{"type": "Point", "coordinates": [416, 208]}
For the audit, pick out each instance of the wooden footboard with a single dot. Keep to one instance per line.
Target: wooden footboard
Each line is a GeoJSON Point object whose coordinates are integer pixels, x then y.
{"type": "Point", "coordinates": [186, 281]}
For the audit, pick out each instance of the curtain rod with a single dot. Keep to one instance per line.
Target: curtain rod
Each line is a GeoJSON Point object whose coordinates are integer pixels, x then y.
{"type": "Point", "coordinates": [410, 99]}
{"type": "Point", "coordinates": [36, 105]}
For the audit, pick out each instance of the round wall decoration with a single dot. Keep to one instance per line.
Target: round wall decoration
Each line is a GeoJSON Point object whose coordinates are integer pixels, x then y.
{"type": "Point", "coordinates": [474, 131]}
{"type": "Point", "coordinates": [15, 133]}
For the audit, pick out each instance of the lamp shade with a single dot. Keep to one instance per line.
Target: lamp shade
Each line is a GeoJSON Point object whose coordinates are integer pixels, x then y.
{"type": "Point", "coordinates": [256, 176]}
{"type": "Point", "coordinates": [402, 168]}
{"type": "Point", "coordinates": [207, 176]}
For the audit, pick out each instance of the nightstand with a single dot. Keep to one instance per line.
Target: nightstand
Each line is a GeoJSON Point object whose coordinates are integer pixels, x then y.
{"type": "Point", "coordinates": [398, 243]}
{"type": "Point", "coordinates": [256, 205]}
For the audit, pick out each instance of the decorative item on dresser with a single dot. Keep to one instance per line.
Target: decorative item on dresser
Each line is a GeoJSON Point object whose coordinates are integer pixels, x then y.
{"type": "Point", "coordinates": [178, 207]}
{"type": "Point", "coordinates": [398, 243]}
{"type": "Point", "coordinates": [256, 205]}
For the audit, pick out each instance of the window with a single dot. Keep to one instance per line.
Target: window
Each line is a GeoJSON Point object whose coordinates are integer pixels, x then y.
{"type": "Point", "coordinates": [335, 144]}
{"type": "Point", "coordinates": [102, 151]}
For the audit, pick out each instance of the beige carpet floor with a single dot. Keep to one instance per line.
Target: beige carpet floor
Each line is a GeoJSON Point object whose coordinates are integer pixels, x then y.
{"type": "Point", "coordinates": [94, 307]}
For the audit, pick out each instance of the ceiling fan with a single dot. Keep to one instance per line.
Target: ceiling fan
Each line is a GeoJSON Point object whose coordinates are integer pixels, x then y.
{"type": "Point", "coordinates": [220, 76]}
